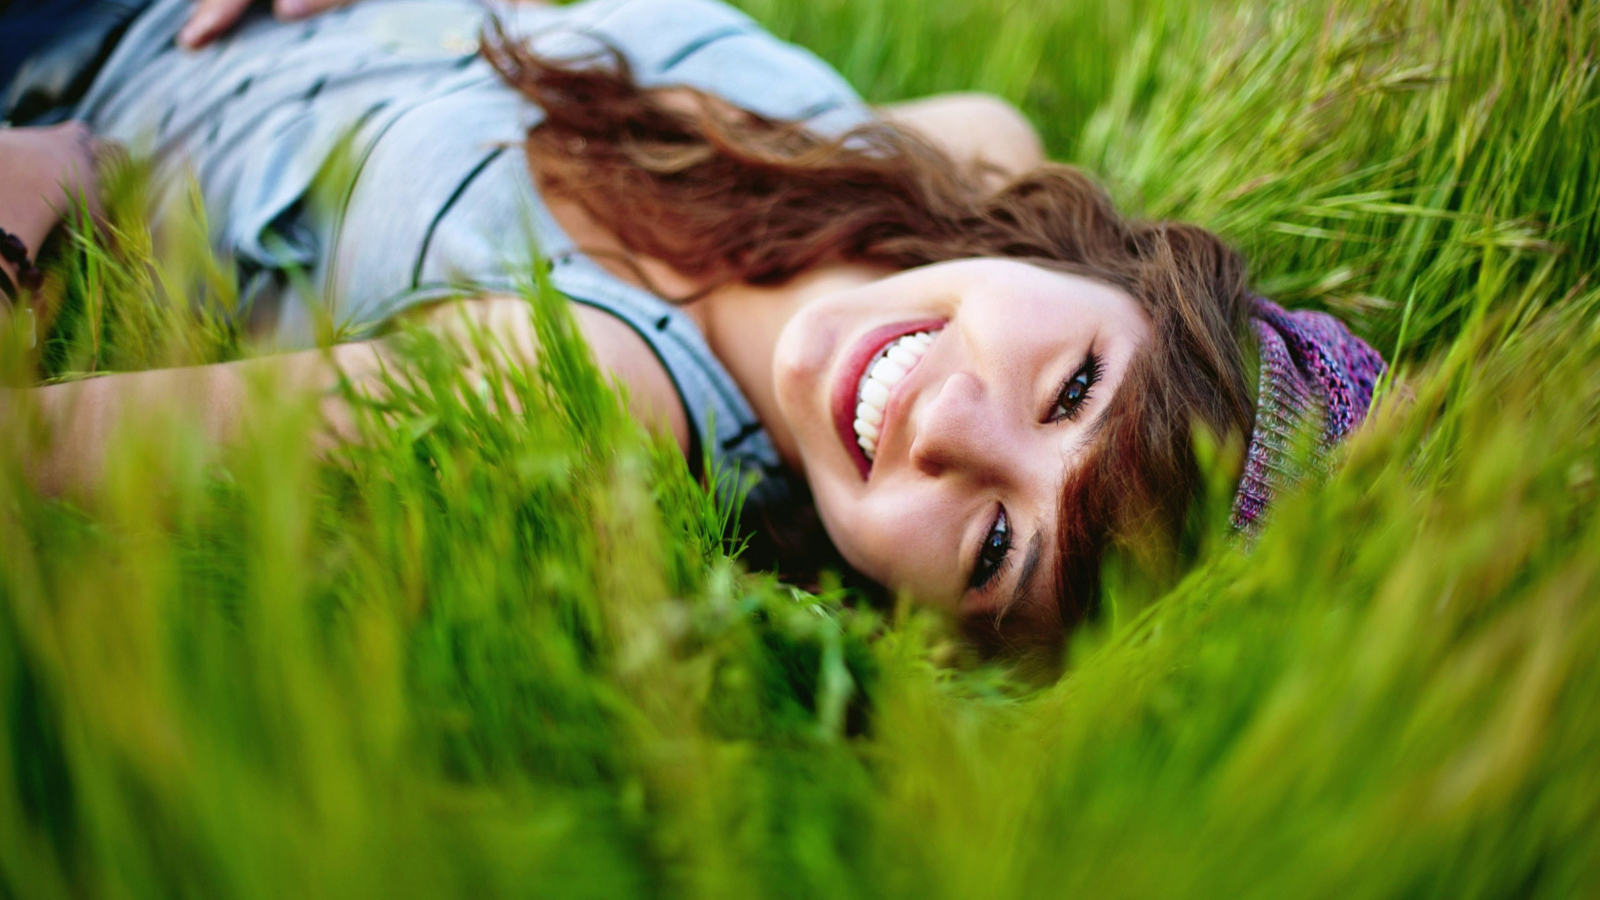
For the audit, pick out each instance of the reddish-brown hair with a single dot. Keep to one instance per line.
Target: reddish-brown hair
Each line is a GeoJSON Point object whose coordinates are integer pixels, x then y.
{"type": "Point", "coordinates": [727, 196]}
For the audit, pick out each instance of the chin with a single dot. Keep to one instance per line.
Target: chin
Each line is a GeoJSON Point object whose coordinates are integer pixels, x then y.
{"type": "Point", "coordinates": [845, 543]}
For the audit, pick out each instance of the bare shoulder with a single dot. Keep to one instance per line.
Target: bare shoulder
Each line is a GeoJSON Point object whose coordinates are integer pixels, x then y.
{"type": "Point", "coordinates": [617, 348]}
{"type": "Point", "coordinates": [621, 351]}
{"type": "Point", "coordinates": [973, 127]}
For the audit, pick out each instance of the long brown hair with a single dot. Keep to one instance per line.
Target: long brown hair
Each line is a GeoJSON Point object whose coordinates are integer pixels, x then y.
{"type": "Point", "coordinates": [728, 196]}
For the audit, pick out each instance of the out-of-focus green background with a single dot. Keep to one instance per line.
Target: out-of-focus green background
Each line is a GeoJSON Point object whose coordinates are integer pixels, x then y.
{"type": "Point", "coordinates": [474, 654]}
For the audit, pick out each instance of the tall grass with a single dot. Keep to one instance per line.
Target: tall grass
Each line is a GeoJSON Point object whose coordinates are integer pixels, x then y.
{"type": "Point", "coordinates": [479, 654]}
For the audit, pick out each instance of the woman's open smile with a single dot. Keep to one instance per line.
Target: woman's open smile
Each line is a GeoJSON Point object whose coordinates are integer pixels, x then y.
{"type": "Point", "coordinates": [870, 378]}
{"type": "Point", "coordinates": [936, 412]}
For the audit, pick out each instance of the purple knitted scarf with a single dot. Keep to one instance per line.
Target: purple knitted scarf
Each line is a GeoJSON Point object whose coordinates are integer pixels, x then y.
{"type": "Point", "coordinates": [1312, 369]}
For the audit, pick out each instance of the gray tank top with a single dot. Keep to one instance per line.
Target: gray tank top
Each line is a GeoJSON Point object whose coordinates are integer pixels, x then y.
{"type": "Point", "coordinates": [440, 199]}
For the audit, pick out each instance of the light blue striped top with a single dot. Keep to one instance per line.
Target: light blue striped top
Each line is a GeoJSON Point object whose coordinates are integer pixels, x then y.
{"type": "Point", "coordinates": [440, 196]}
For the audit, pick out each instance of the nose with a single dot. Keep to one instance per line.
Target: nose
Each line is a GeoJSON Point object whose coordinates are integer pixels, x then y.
{"type": "Point", "coordinates": [957, 430]}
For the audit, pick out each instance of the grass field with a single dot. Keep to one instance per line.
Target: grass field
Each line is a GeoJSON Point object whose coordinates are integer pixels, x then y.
{"type": "Point", "coordinates": [479, 655]}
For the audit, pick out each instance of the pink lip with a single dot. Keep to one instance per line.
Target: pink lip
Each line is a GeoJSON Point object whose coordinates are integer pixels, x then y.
{"type": "Point", "coordinates": [853, 367]}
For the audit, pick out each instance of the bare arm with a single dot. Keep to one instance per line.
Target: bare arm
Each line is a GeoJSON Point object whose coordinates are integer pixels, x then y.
{"type": "Point", "coordinates": [80, 418]}
{"type": "Point", "coordinates": [213, 18]}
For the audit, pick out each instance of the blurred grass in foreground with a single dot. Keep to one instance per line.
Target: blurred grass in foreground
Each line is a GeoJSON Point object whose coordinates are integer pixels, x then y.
{"type": "Point", "coordinates": [479, 654]}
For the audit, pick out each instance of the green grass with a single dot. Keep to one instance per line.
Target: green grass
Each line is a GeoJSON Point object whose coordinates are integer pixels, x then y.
{"type": "Point", "coordinates": [477, 654]}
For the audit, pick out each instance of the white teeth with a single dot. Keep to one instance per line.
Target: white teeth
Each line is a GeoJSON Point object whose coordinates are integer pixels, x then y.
{"type": "Point", "coordinates": [874, 392]}
{"type": "Point", "coordinates": [886, 372]}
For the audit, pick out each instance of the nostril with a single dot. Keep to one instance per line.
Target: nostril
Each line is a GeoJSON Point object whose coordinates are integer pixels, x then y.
{"type": "Point", "coordinates": [925, 457]}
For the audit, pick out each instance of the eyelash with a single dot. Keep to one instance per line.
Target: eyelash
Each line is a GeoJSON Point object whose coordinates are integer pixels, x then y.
{"type": "Point", "coordinates": [1088, 375]}
{"type": "Point", "coordinates": [986, 569]}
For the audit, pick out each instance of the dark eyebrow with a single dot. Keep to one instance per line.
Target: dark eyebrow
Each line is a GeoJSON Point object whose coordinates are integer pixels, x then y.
{"type": "Point", "coordinates": [1030, 569]}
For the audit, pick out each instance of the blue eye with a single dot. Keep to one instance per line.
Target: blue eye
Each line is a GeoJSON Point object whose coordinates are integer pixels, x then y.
{"type": "Point", "coordinates": [992, 552]}
{"type": "Point", "coordinates": [1075, 390]}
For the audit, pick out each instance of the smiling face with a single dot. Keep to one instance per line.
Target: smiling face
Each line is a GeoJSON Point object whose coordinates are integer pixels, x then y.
{"type": "Point", "coordinates": [937, 412]}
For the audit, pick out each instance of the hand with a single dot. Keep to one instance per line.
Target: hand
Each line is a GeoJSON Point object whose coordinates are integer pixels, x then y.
{"type": "Point", "coordinates": [43, 174]}
{"type": "Point", "coordinates": [212, 18]}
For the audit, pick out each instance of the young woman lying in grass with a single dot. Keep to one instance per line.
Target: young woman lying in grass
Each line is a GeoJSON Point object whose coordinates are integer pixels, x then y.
{"type": "Point", "coordinates": [961, 360]}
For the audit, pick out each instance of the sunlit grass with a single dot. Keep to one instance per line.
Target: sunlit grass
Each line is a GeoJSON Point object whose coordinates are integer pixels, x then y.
{"type": "Point", "coordinates": [477, 654]}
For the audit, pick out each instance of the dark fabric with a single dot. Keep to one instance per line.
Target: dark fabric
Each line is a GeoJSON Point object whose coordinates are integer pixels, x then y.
{"type": "Point", "coordinates": [50, 51]}
{"type": "Point", "coordinates": [1316, 381]}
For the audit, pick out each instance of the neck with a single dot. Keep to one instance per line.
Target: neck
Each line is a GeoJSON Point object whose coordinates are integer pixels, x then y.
{"type": "Point", "coordinates": [741, 323]}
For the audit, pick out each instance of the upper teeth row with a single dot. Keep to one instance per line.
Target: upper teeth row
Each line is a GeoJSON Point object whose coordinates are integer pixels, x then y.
{"type": "Point", "coordinates": [873, 393]}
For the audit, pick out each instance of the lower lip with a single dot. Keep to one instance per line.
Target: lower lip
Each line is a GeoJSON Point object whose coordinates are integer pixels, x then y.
{"type": "Point", "coordinates": [848, 381]}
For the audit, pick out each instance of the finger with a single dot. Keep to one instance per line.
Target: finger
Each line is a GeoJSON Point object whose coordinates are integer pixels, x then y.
{"type": "Point", "coordinates": [290, 10]}
{"type": "Point", "coordinates": [209, 19]}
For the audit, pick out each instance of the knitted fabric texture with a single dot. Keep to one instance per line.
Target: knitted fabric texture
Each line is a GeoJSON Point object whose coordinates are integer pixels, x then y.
{"type": "Point", "coordinates": [1313, 371]}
